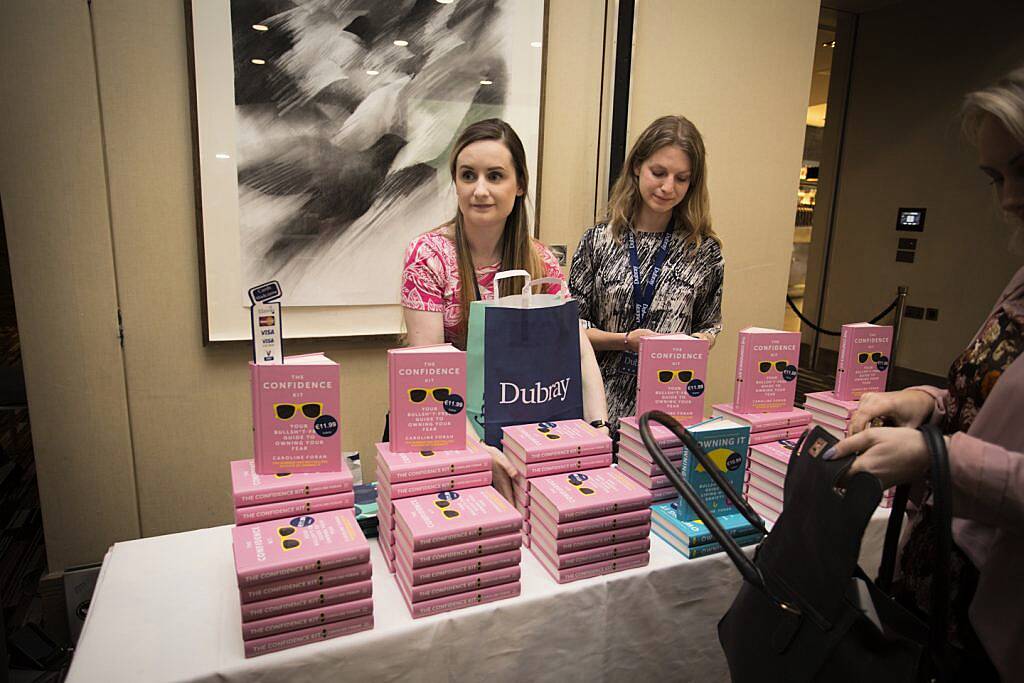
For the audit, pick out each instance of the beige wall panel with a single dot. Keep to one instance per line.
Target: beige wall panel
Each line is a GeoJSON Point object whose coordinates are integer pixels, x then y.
{"type": "Point", "coordinates": [913, 62]}
{"type": "Point", "coordinates": [741, 72]}
{"type": "Point", "coordinates": [55, 210]}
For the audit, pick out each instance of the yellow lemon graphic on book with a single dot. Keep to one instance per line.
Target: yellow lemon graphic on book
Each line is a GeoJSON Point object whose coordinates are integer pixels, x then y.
{"type": "Point", "coordinates": [725, 460]}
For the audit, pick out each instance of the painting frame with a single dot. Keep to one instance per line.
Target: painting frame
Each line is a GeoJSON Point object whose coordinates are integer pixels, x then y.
{"type": "Point", "coordinates": [224, 316]}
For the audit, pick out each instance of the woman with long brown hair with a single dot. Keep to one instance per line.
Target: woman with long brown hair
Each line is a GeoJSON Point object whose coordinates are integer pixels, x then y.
{"type": "Point", "coordinates": [450, 266]}
{"type": "Point", "coordinates": [653, 265]}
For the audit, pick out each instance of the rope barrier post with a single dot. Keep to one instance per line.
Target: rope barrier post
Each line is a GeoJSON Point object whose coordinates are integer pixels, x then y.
{"type": "Point", "coordinates": [897, 324]}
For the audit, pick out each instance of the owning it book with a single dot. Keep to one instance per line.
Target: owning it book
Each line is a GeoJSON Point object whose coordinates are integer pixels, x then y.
{"type": "Point", "coordinates": [726, 444]}
{"type": "Point", "coordinates": [671, 374]}
{"type": "Point", "coordinates": [426, 397]}
{"type": "Point", "coordinates": [766, 369]}
{"type": "Point", "coordinates": [295, 409]}
{"type": "Point", "coordinates": [863, 360]}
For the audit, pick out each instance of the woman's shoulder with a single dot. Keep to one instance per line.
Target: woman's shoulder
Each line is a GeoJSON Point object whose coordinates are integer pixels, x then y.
{"type": "Point", "coordinates": [432, 242]}
{"type": "Point", "coordinates": [710, 251]}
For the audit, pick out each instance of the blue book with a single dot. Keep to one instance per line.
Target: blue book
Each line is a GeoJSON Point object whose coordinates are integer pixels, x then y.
{"type": "Point", "coordinates": [705, 549]}
{"type": "Point", "coordinates": [726, 443]}
{"type": "Point", "coordinates": [694, 533]}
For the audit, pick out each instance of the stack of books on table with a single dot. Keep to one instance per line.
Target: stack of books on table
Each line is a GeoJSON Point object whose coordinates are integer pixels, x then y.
{"type": "Point", "coordinates": [692, 538]}
{"type": "Point", "coordinates": [766, 478]}
{"type": "Point", "coordinates": [455, 549]}
{"type": "Point", "coordinates": [589, 523]}
{"type": "Point", "coordinates": [302, 580]}
{"type": "Point", "coordinates": [833, 415]}
{"type": "Point", "coordinates": [406, 475]}
{"type": "Point", "coordinates": [767, 427]}
{"type": "Point", "coordinates": [637, 464]}
{"type": "Point", "coordinates": [547, 448]}
{"type": "Point", "coordinates": [263, 497]}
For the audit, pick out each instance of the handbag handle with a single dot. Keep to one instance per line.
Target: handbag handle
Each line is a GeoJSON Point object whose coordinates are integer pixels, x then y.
{"type": "Point", "coordinates": [528, 289]}
{"type": "Point", "coordinates": [504, 275]}
{"type": "Point", "coordinates": [728, 543]}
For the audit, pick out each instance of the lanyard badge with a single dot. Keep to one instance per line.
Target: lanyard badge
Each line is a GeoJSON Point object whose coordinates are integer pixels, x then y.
{"type": "Point", "coordinates": [643, 290]}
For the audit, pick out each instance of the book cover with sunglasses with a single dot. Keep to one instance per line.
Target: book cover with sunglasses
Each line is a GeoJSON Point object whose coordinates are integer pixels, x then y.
{"type": "Point", "coordinates": [791, 418]}
{"type": "Point", "coordinates": [592, 493]}
{"type": "Point", "coordinates": [459, 600]}
{"type": "Point", "coordinates": [249, 487]}
{"type": "Point", "coordinates": [593, 525]}
{"type": "Point", "coordinates": [461, 584]}
{"type": "Point", "coordinates": [863, 360]}
{"type": "Point", "coordinates": [766, 370]}
{"type": "Point", "coordinates": [694, 532]}
{"type": "Point", "coordinates": [252, 514]}
{"type": "Point", "coordinates": [284, 641]}
{"type": "Point", "coordinates": [541, 441]}
{"type": "Point", "coordinates": [274, 550]}
{"type": "Point", "coordinates": [452, 517]}
{"type": "Point", "coordinates": [264, 609]}
{"type": "Point", "coordinates": [827, 402]}
{"type": "Point", "coordinates": [395, 467]}
{"type": "Point", "coordinates": [308, 582]}
{"type": "Point", "coordinates": [726, 443]}
{"type": "Point", "coordinates": [587, 571]}
{"type": "Point", "coordinates": [451, 570]}
{"type": "Point", "coordinates": [426, 397]}
{"type": "Point", "coordinates": [326, 614]}
{"type": "Point", "coordinates": [547, 467]}
{"type": "Point", "coordinates": [295, 407]}
{"type": "Point", "coordinates": [453, 553]}
{"type": "Point", "coordinates": [670, 376]}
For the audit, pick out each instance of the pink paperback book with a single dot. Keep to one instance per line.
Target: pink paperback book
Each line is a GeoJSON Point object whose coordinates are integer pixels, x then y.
{"type": "Point", "coordinates": [629, 427]}
{"type": "Point", "coordinates": [554, 440]}
{"type": "Point", "coordinates": [427, 398]}
{"type": "Point", "coordinates": [461, 584]}
{"type": "Point", "coordinates": [252, 488]}
{"type": "Point", "coordinates": [421, 487]}
{"type": "Point", "coordinates": [452, 517]}
{"type": "Point", "coordinates": [606, 552]}
{"type": "Point", "coordinates": [273, 550]}
{"type": "Point", "coordinates": [306, 582]}
{"type": "Point", "coordinates": [766, 370]}
{"type": "Point", "coordinates": [826, 402]}
{"type": "Point", "coordinates": [645, 466]}
{"type": "Point", "coordinates": [553, 546]}
{"type": "Point", "coordinates": [416, 465]}
{"type": "Point", "coordinates": [777, 451]}
{"type": "Point", "coordinates": [290, 508]}
{"type": "Point", "coordinates": [265, 609]}
{"type": "Point", "coordinates": [540, 469]}
{"type": "Point", "coordinates": [579, 495]}
{"type": "Point", "coordinates": [262, 628]}
{"type": "Point", "coordinates": [671, 374]}
{"type": "Point", "coordinates": [588, 526]}
{"type": "Point", "coordinates": [459, 600]}
{"type": "Point", "coordinates": [451, 570]}
{"type": "Point", "coordinates": [295, 415]}
{"type": "Point", "coordinates": [593, 569]}
{"type": "Point", "coordinates": [284, 641]}
{"type": "Point", "coordinates": [452, 553]}
{"type": "Point", "coordinates": [776, 435]}
{"type": "Point", "coordinates": [790, 418]}
{"type": "Point", "coordinates": [863, 360]}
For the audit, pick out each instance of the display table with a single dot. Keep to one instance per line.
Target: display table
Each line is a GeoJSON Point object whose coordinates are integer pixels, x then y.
{"type": "Point", "coordinates": [166, 609]}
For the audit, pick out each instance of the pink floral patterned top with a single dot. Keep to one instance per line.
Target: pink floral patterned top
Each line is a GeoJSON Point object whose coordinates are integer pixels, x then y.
{"type": "Point", "coordinates": [430, 278]}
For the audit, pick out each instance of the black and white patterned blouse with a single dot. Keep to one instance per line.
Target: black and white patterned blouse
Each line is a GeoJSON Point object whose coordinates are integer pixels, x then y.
{"type": "Point", "coordinates": [688, 297]}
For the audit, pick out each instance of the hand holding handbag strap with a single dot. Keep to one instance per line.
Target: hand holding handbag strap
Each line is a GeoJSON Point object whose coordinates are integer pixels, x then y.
{"type": "Point", "coordinates": [732, 549]}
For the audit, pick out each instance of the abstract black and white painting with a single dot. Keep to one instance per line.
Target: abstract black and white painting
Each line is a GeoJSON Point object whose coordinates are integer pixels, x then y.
{"type": "Point", "coordinates": [345, 112]}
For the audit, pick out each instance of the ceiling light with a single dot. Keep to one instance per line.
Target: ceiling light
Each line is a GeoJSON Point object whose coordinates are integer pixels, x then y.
{"type": "Point", "coordinates": [446, 2]}
{"type": "Point", "coordinates": [259, 62]}
{"type": "Point", "coordinates": [486, 82]}
{"type": "Point", "coordinates": [536, 43]}
{"type": "Point", "coordinates": [260, 27]}
{"type": "Point", "coordinates": [401, 43]}
{"type": "Point", "coordinates": [372, 72]}
{"type": "Point", "coordinates": [223, 156]}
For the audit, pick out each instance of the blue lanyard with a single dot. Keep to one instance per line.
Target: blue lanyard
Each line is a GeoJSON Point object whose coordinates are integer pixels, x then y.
{"type": "Point", "coordinates": [643, 297]}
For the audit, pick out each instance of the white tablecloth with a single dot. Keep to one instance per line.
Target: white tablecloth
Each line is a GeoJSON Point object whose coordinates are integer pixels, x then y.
{"type": "Point", "coordinates": [166, 609]}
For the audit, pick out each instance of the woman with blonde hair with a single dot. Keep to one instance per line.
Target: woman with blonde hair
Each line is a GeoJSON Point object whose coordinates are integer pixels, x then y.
{"type": "Point", "coordinates": [450, 266]}
{"type": "Point", "coordinates": [653, 265]}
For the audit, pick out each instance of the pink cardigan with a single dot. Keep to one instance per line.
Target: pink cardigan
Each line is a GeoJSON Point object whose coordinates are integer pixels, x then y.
{"type": "Point", "coordinates": [987, 467]}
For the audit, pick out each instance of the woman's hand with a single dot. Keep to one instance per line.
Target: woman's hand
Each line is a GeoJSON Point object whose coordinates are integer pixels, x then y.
{"type": "Point", "coordinates": [907, 408]}
{"type": "Point", "coordinates": [502, 472]}
{"type": "Point", "coordinates": [896, 455]}
{"type": "Point", "coordinates": [633, 338]}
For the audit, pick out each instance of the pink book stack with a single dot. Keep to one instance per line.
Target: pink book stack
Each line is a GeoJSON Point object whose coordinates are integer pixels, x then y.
{"type": "Point", "coordinates": [833, 415]}
{"type": "Point", "coordinates": [301, 580]}
{"type": "Point", "coordinates": [767, 427]}
{"type": "Point", "coordinates": [766, 477]}
{"type": "Point", "coordinates": [263, 497]}
{"type": "Point", "coordinates": [455, 549]}
{"type": "Point", "coordinates": [546, 448]}
{"type": "Point", "coordinates": [419, 473]}
{"type": "Point", "coordinates": [589, 523]}
{"type": "Point", "coordinates": [636, 463]}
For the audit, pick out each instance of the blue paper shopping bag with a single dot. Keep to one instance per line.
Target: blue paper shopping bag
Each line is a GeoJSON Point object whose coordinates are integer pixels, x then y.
{"type": "Point", "coordinates": [523, 359]}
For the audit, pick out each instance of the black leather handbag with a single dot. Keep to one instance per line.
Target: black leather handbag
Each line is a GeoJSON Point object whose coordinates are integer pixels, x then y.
{"type": "Point", "coordinates": [806, 611]}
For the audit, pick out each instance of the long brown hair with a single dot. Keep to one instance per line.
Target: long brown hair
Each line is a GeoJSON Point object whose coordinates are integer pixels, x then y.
{"type": "Point", "coordinates": [693, 213]}
{"type": "Point", "coordinates": [517, 250]}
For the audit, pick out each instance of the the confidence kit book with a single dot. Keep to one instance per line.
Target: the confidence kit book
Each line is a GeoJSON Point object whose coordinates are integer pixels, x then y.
{"type": "Point", "coordinates": [766, 369]}
{"type": "Point", "coordinates": [671, 374]}
{"type": "Point", "coordinates": [426, 399]}
{"type": "Point", "coordinates": [863, 360]}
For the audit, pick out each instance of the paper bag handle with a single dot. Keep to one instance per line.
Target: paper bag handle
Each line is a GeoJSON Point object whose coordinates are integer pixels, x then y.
{"type": "Point", "coordinates": [505, 274]}
{"type": "Point", "coordinates": [528, 289]}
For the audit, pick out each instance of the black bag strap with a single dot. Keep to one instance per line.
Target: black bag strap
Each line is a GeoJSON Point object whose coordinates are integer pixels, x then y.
{"type": "Point", "coordinates": [732, 549]}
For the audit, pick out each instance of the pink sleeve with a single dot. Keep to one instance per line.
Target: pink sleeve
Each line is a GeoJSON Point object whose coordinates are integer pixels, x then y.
{"type": "Point", "coordinates": [988, 482]}
{"type": "Point", "coordinates": [423, 277]}
{"type": "Point", "coordinates": [551, 268]}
